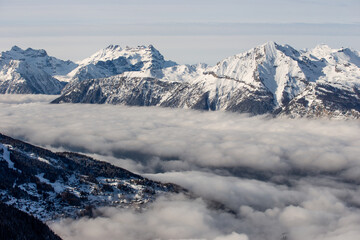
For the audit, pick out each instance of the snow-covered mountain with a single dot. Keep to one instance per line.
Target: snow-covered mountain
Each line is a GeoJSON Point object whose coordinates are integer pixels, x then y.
{"type": "Point", "coordinates": [32, 71]}
{"type": "Point", "coordinates": [335, 92]}
{"type": "Point", "coordinates": [51, 185]}
{"type": "Point", "coordinates": [270, 78]}
{"type": "Point", "coordinates": [115, 60]}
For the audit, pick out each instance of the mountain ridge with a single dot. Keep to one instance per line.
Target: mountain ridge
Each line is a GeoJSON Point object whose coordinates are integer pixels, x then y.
{"type": "Point", "coordinates": [263, 80]}
{"type": "Point", "coordinates": [267, 79]}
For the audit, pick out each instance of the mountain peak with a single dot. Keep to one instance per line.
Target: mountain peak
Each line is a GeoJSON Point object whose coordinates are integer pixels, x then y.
{"type": "Point", "coordinates": [322, 49]}
{"type": "Point", "coordinates": [115, 60]}
{"type": "Point", "coordinates": [322, 46]}
{"type": "Point", "coordinates": [16, 48]}
{"type": "Point", "coordinates": [35, 71]}
{"type": "Point", "coordinates": [114, 47]}
{"type": "Point", "coordinates": [152, 47]}
{"type": "Point", "coordinates": [270, 48]}
{"type": "Point", "coordinates": [35, 52]}
{"type": "Point", "coordinates": [17, 52]}
{"type": "Point", "coordinates": [133, 54]}
{"type": "Point", "coordinates": [155, 52]}
{"type": "Point", "coordinates": [270, 44]}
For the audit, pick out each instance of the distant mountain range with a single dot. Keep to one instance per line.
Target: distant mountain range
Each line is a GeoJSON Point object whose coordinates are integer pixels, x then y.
{"type": "Point", "coordinates": [268, 79]}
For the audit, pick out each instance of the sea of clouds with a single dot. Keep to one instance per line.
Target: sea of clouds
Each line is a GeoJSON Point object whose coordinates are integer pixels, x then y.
{"type": "Point", "coordinates": [276, 178]}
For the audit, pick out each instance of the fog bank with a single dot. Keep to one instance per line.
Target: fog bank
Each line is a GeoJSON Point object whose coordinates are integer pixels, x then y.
{"type": "Point", "coordinates": [297, 179]}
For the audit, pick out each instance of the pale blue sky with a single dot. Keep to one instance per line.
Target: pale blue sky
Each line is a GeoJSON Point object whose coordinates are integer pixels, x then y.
{"type": "Point", "coordinates": [184, 31]}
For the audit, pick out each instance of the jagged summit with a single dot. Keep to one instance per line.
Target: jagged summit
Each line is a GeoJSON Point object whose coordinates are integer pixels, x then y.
{"type": "Point", "coordinates": [113, 52]}
{"type": "Point", "coordinates": [341, 55]}
{"type": "Point", "coordinates": [18, 53]}
{"type": "Point", "coordinates": [108, 53]}
{"type": "Point", "coordinates": [32, 71]}
{"type": "Point", "coordinates": [16, 48]}
{"type": "Point", "coordinates": [38, 58]}
{"type": "Point", "coordinates": [114, 60]}
{"type": "Point", "coordinates": [111, 46]}
{"type": "Point", "coordinates": [270, 45]}
{"type": "Point", "coordinates": [36, 53]}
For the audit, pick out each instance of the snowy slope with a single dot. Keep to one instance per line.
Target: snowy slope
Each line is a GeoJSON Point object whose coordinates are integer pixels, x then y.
{"type": "Point", "coordinates": [271, 66]}
{"type": "Point", "coordinates": [31, 71]}
{"type": "Point", "coordinates": [341, 66]}
{"type": "Point", "coordinates": [52, 185]}
{"type": "Point", "coordinates": [18, 76]}
{"type": "Point", "coordinates": [336, 91]}
{"type": "Point", "coordinates": [325, 100]}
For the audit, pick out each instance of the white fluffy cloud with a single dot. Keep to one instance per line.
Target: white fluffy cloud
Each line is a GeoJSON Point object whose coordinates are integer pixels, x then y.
{"type": "Point", "coordinates": [175, 218]}
{"type": "Point", "coordinates": [280, 178]}
{"type": "Point", "coordinates": [185, 138]}
{"type": "Point", "coordinates": [234, 192]}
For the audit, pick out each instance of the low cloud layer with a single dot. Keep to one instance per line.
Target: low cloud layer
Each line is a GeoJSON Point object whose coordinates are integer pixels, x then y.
{"type": "Point", "coordinates": [280, 178]}
{"type": "Point", "coordinates": [318, 207]}
{"type": "Point", "coordinates": [174, 218]}
{"type": "Point", "coordinates": [186, 138]}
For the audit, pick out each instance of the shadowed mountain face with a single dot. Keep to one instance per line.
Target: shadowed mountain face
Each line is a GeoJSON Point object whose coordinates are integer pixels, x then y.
{"type": "Point", "coordinates": [51, 185]}
{"type": "Point", "coordinates": [18, 225]}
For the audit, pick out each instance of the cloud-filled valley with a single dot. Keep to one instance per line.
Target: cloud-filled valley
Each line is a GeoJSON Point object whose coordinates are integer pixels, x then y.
{"type": "Point", "coordinates": [296, 179]}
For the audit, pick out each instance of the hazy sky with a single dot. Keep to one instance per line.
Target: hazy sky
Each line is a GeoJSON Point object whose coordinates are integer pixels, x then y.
{"type": "Point", "coordinates": [184, 31]}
